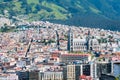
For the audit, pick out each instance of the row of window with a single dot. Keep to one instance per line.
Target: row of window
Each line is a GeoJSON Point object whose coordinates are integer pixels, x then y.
{"type": "Point", "coordinates": [52, 76]}
{"type": "Point", "coordinates": [79, 48]}
{"type": "Point", "coordinates": [81, 44]}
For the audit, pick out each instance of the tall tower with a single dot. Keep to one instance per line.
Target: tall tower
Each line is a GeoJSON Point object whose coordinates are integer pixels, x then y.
{"type": "Point", "coordinates": [57, 40]}
{"type": "Point", "coordinates": [70, 40]}
{"type": "Point", "coordinates": [88, 40]}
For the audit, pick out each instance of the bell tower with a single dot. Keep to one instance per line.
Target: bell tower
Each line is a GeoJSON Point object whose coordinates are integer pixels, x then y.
{"type": "Point", "coordinates": [70, 40]}
{"type": "Point", "coordinates": [88, 40]}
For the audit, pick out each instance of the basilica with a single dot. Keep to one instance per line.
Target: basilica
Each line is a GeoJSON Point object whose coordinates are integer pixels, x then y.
{"type": "Point", "coordinates": [85, 44]}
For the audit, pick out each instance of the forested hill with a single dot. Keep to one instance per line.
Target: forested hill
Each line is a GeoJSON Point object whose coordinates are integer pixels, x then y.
{"type": "Point", "coordinates": [91, 13]}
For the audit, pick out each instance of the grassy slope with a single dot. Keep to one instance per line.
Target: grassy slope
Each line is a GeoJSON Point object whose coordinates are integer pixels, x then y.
{"type": "Point", "coordinates": [55, 10]}
{"type": "Point", "coordinates": [100, 13]}
{"type": "Point", "coordinates": [58, 11]}
{"type": "Point", "coordinates": [33, 1]}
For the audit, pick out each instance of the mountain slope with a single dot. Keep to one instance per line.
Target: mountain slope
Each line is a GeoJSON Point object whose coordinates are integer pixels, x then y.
{"type": "Point", "coordinates": [91, 13]}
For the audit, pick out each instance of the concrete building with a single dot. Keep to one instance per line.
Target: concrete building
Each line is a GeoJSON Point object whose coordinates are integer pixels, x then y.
{"type": "Point", "coordinates": [104, 68]}
{"type": "Point", "coordinates": [34, 75]}
{"type": "Point", "coordinates": [89, 70]}
{"type": "Point", "coordinates": [23, 75]}
{"type": "Point", "coordinates": [72, 72]}
{"type": "Point", "coordinates": [75, 72]}
{"type": "Point", "coordinates": [28, 75]}
{"type": "Point", "coordinates": [116, 68]}
{"type": "Point", "coordinates": [51, 75]}
{"type": "Point", "coordinates": [107, 77]}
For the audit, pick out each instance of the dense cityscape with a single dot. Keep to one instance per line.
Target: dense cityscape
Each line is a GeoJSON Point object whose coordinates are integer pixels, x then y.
{"type": "Point", "coordinates": [47, 51]}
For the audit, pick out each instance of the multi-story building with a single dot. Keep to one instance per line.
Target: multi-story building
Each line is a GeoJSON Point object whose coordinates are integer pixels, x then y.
{"type": "Point", "coordinates": [51, 75]}
{"type": "Point", "coordinates": [90, 70]}
{"type": "Point", "coordinates": [34, 75]}
{"type": "Point", "coordinates": [75, 72]}
{"type": "Point", "coordinates": [72, 72]}
{"type": "Point", "coordinates": [28, 75]}
{"type": "Point", "coordinates": [69, 58]}
{"type": "Point", "coordinates": [23, 75]}
{"type": "Point", "coordinates": [104, 68]}
{"type": "Point", "coordinates": [115, 68]}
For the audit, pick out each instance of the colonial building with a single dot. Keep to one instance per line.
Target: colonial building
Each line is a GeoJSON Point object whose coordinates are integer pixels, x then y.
{"type": "Point", "coordinates": [70, 58]}
{"type": "Point", "coordinates": [86, 44]}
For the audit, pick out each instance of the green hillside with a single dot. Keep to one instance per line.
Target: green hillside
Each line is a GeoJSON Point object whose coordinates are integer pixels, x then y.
{"type": "Point", "coordinates": [92, 13]}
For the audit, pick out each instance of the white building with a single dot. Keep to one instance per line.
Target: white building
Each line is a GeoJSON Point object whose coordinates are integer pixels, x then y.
{"type": "Point", "coordinates": [4, 21]}
{"type": "Point", "coordinates": [9, 77]}
{"type": "Point", "coordinates": [49, 75]}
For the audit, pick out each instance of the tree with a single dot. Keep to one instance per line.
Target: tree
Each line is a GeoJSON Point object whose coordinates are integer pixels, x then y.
{"type": "Point", "coordinates": [4, 29]}
{"type": "Point", "coordinates": [28, 9]}
{"type": "Point", "coordinates": [38, 7]}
